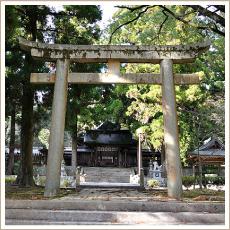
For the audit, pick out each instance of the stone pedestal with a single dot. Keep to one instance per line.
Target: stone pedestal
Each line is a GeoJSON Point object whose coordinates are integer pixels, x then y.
{"type": "Point", "coordinates": [157, 175]}
{"type": "Point", "coordinates": [157, 171]}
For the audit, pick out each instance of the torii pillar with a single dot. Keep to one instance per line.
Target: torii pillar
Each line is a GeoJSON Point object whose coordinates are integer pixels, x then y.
{"type": "Point", "coordinates": [166, 56]}
{"type": "Point", "coordinates": [57, 128]}
{"type": "Point", "coordinates": [171, 135]}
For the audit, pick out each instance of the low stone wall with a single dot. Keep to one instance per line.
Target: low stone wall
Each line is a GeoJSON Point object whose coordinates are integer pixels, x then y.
{"type": "Point", "coordinates": [187, 171]}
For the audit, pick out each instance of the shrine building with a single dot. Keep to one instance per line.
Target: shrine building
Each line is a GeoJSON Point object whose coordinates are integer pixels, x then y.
{"type": "Point", "coordinates": [108, 146]}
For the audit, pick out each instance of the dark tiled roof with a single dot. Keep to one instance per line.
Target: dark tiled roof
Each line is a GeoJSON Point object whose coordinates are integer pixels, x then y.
{"type": "Point", "coordinates": [212, 146]}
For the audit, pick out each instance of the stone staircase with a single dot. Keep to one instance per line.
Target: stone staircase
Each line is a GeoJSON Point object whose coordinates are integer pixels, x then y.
{"type": "Point", "coordinates": [81, 212]}
{"type": "Point", "coordinates": [107, 174]}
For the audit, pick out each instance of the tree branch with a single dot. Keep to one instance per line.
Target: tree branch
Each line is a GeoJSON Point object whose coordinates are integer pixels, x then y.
{"type": "Point", "coordinates": [220, 8]}
{"type": "Point", "coordinates": [201, 10]}
{"type": "Point", "coordinates": [192, 24]}
{"type": "Point", "coordinates": [136, 18]}
{"type": "Point", "coordinates": [166, 18]}
{"type": "Point", "coordinates": [132, 8]}
{"type": "Point", "coordinates": [126, 23]}
{"type": "Point", "coordinates": [205, 12]}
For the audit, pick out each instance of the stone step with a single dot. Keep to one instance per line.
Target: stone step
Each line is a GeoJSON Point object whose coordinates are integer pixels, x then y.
{"type": "Point", "coordinates": [101, 185]}
{"type": "Point", "coordinates": [108, 181]}
{"type": "Point", "coordinates": [53, 222]}
{"type": "Point", "coordinates": [159, 218]}
{"type": "Point", "coordinates": [115, 179]}
{"type": "Point", "coordinates": [100, 205]}
{"type": "Point", "coordinates": [107, 174]}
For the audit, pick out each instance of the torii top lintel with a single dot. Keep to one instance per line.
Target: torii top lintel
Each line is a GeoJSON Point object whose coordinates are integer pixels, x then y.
{"type": "Point", "coordinates": [123, 53]}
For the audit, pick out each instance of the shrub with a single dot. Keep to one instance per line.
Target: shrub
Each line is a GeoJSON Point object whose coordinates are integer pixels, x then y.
{"type": "Point", "coordinates": [208, 181]}
{"type": "Point", "coordinates": [221, 180]}
{"type": "Point", "coordinates": [66, 183]}
{"type": "Point", "coordinates": [9, 180]}
{"type": "Point", "coordinates": [153, 183]}
{"type": "Point", "coordinates": [188, 181]}
{"type": "Point", "coordinates": [218, 180]}
{"type": "Point", "coordinates": [41, 181]}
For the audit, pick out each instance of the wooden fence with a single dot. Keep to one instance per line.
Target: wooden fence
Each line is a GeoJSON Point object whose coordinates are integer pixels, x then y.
{"type": "Point", "coordinates": [38, 158]}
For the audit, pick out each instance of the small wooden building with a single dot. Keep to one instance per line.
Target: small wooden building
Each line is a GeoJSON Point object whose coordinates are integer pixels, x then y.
{"type": "Point", "coordinates": [212, 152]}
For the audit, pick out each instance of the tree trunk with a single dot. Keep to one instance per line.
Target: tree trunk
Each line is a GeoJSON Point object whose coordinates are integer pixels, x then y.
{"type": "Point", "coordinates": [200, 170]}
{"type": "Point", "coordinates": [198, 153]}
{"type": "Point", "coordinates": [25, 175]}
{"type": "Point", "coordinates": [10, 168]}
{"type": "Point", "coordinates": [74, 150]}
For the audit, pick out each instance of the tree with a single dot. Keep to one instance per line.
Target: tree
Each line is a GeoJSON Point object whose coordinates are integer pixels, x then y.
{"type": "Point", "coordinates": [73, 24]}
{"type": "Point", "coordinates": [188, 15]}
{"type": "Point", "coordinates": [23, 21]}
{"type": "Point", "coordinates": [207, 119]}
{"type": "Point", "coordinates": [79, 27]}
{"type": "Point", "coordinates": [12, 98]}
{"type": "Point", "coordinates": [150, 25]}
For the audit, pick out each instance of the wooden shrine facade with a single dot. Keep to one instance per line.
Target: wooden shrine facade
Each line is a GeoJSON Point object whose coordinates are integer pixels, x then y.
{"type": "Point", "coordinates": [108, 145]}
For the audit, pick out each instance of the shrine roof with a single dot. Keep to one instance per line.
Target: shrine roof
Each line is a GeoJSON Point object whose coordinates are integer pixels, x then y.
{"type": "Point", "coordinates": [211, 152]}
{"type": "Point", "coordinates": [108, 126]}
{"type": "Point", "coordinates": [211, 146]}
{"type": "Point", "coordinates": [109, 133]}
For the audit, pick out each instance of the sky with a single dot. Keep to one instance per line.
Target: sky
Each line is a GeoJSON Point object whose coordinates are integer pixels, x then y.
{"type": "Point", "coordinates": [107, 8]}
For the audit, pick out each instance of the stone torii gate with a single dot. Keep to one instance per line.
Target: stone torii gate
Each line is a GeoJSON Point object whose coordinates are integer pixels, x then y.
{"type": "Point", "coordinates": [165, 55]}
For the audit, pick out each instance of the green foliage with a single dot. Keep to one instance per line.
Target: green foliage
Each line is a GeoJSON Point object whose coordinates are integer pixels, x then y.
{"type": "Point", "coordinates": [144, 107]}
{"type": "Point", "coordinates": [16, 167]}
{"type": "Point", "coordinates": [210, 169]}
{"type": "Point", "coordinates": [78, 26]}
{"type": "Point", "coordinates": [10, 180]}
{"type": "Point", "coordinates": [44, 136]}
{"type": "Point", "coordinates": [216, 181]}
{"type": "Point", "coordinates": [188, 181]}
{"type": "Point", "coordinates": [27, 21]}
{"type": "Point", "coordinates": [41, 181]}
{"type": "Point", "coordinates": [200, 108]}
{"type": "Point", "coordinates": [66, 183]}
{"type": "Point", "coordinates": [153, 183]}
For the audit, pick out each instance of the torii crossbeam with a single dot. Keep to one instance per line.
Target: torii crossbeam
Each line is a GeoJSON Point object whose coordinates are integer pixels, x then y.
{"type": "Point", "coordinates": [166, 56]}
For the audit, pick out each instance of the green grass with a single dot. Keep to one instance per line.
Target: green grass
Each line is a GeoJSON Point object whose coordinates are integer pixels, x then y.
{"type": "Point", "coordinates": [193, 195]}
{"type": "Point", "coordinates": [203, 192]}
{"type": "Point", "coordinates": [14, 192]}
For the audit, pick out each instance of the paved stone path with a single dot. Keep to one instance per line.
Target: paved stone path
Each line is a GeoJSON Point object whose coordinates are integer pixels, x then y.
{"type": "Point", "coordinates": [114, 195]}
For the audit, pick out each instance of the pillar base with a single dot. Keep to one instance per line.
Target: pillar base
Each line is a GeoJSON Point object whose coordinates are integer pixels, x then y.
{"type": "Point", "coordinates": [51, 193]}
